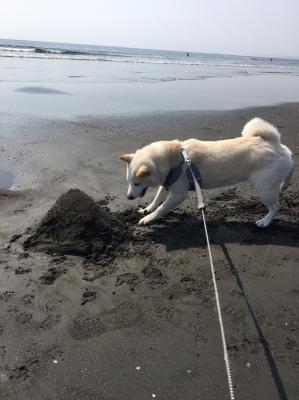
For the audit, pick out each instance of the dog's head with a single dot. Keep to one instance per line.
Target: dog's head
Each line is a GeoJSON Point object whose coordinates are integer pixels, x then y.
{"type": "Point", "coordinates": [140, 175]}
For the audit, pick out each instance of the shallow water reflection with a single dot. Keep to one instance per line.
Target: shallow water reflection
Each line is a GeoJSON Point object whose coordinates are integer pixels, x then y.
{"type": "Point", "coordinates": [6, 179]}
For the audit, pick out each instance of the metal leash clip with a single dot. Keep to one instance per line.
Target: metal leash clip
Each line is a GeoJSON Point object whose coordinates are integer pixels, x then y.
{"type": "Point", "coordinates": [186, 157]}
{"type": "Point", "coordinates": [188, 164]}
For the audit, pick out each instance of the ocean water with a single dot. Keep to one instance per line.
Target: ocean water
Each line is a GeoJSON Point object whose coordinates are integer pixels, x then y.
{"type": "Point", "coordinates": [208, 65]}
{"type": "Point", "coordinates": [67, 80]}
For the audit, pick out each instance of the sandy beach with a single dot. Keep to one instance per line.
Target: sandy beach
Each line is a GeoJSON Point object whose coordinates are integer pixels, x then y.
{"type": "Point", "coordinates": [142, 323]}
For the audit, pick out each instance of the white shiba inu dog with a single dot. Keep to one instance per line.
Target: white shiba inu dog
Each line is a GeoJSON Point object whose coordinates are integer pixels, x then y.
{"type": "Point", "coordinates": [257, 157]}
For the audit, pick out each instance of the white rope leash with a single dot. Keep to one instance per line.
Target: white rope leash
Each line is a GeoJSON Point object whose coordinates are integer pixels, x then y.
{"type": "Point", "coordinates": [225, 352]}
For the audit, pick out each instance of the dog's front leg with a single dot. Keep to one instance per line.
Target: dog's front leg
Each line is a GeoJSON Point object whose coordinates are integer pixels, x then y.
{"type": "Point", "coordinates": [160, 196]}
{"type": "Point", "coordinates": [173, 199]}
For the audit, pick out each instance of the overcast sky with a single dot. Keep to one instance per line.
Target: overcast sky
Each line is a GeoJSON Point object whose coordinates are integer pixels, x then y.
{"type": "Point", "coordinates": [249, 27]}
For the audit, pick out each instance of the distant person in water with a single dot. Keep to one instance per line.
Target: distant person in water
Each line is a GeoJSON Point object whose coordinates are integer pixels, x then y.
{"type": "Point", "coordinates": [187, 54]}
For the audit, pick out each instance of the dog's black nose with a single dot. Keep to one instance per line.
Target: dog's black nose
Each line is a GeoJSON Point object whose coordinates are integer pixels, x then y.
{"type": "Point", "coordinates": [130, 197]}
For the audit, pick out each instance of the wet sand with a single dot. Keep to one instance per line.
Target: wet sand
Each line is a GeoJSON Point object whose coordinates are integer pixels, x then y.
{"type": "Point", "coordinates": [142, 321]}
{"type": "Point", "coordinates": [68, 88]}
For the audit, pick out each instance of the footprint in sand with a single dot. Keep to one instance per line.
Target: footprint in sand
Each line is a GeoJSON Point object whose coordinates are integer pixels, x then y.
{"type": "Point", "coordinates": [122, 316]}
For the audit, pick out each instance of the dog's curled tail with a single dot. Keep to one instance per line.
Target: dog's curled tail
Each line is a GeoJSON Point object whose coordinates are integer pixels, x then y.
{"type": "Point", "coordinates": [262, 128]}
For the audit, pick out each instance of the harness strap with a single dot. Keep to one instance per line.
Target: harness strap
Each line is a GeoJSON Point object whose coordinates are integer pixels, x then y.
{"type": "Point", "coordinates": [173, 175]}
{"type": "Point", "coordinates": [191, 172]}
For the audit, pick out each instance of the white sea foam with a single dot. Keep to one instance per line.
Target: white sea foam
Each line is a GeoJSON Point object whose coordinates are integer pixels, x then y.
{"type": "Point", "coordinates": [59, 54]}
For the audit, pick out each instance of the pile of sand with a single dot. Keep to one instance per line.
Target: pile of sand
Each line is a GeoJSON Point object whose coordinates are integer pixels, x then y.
{"type": "Point", "coordinates": [77, 225]}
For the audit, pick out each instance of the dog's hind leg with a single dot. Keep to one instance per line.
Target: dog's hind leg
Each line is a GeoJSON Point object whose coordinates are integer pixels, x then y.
{"type": "Point", "coordinates": [160, 196]}
{"type": "Point", "coordinates": [273, 210]}
{"type": "Point", "coordinates": [268, 191]}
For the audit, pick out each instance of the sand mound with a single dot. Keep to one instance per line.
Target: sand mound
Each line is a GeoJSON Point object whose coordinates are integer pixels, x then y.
{"type": "Point", "coordinates": [77, 225]}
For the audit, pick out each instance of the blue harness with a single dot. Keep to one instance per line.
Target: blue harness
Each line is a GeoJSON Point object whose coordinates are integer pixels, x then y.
{"type": "Point", "coordinates": [175, 173]}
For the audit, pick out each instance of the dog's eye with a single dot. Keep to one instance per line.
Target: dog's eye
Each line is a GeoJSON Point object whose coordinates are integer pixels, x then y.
{"type": "Point", "coordinates": [137, 184]}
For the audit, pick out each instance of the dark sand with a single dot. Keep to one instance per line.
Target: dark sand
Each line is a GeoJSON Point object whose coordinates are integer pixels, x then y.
{"type": "Point", "coordinates": [142, 320]}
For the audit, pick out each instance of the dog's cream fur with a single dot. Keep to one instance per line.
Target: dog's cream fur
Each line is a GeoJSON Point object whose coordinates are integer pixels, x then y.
{"type": "Point", "coordinates": [257, 157]}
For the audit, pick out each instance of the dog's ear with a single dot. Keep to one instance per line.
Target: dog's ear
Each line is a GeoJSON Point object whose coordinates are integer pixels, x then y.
{"type": "Point", "coordinates": [126, 157]}
{"type": "Point", "coordinates": [143, 171]}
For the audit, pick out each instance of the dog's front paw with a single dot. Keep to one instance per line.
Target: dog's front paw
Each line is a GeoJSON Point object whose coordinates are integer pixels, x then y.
{"type": "Point", "coordinates": [141, 210]}
{"type": "Point", "coordinates": [263, 223]}
{"type": "Point", "coordinates": [145, 220]}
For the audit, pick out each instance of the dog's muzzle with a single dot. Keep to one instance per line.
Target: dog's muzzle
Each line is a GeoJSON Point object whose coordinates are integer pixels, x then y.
{"type": "Point", "coordinates": [143, 192]}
